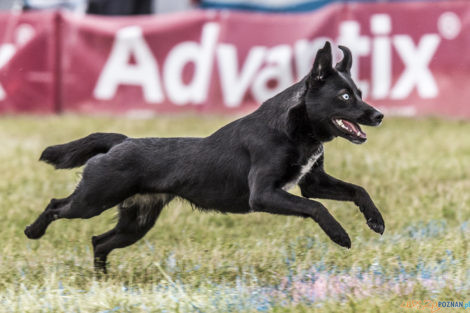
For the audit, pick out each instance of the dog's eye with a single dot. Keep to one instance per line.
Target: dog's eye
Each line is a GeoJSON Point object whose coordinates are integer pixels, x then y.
{"type": "Point", "coordinates": [345, 96]}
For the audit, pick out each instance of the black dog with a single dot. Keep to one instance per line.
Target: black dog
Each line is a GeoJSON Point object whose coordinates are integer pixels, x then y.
{"type": "Point", "coordinates": [246, 166]}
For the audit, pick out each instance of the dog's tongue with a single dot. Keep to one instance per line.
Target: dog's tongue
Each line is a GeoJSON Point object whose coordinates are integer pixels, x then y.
{"type": "Point", "coordinates": [354, 128]}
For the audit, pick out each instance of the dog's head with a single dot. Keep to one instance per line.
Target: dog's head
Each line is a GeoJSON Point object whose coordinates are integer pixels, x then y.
{"type": "Point", "coordinates": [333, 101]}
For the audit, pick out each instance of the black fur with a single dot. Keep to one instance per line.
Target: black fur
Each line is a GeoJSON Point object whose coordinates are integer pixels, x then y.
{"type": "Point", "coordinates": [77, 152]}
{"type": "Point", "coordinates": [243, 167]}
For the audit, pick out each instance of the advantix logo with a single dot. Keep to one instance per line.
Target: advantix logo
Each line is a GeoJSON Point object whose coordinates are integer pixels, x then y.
{"type": "Point", "coordinates": [162, 80]}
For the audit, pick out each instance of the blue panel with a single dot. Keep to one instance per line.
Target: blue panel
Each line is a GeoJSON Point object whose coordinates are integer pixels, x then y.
{"type": "Point", "coordinates": [300, 7]}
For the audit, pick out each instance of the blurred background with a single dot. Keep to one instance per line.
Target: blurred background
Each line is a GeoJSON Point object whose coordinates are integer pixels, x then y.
{"type": "Point", "coordinates": [166, 68]}
{"type": "Point", "coordinates": [147, 57]}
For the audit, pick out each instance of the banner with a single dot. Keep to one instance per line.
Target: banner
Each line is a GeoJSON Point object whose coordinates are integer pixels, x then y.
{"type": "Point", "coordinates": [409, 59]}
{"type": "Point", "coordinates": [27, 62]}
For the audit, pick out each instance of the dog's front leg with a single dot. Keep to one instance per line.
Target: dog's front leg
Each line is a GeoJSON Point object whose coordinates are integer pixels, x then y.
{"type": "Point", "coordinates": [318, 184]}
{"type": "Point", "coordinates": [277, 201]}
{"type": "Point", "coordinates": [284, 203]}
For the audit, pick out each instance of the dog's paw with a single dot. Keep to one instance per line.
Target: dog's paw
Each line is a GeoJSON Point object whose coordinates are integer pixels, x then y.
{"type": "Point", "coordinates": [33, 232]}
{"type": "Point", "coordinates": [342, 239]}
{"type": "Point", "coordinates": [334, 230]}
{"type": "Point", "coordinates": [376, 223]}
{"type": "Point", "coordinates": [100, 266]}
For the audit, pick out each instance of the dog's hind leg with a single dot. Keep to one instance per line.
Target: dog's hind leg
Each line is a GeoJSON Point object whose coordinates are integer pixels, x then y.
{"type": "Point", "coordinates": [97, 239]}
{"type": "Point", "coordinates": [137, 215]}
{"type": "Point", "coordinates": [98, 191]}
{"type": "Point", "coordinates": [37, 229]}
{"type": "Point", "coordinates": [83, 203]}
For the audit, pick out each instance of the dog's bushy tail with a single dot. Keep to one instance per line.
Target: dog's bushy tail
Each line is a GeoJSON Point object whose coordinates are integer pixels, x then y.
{"type": "Point", "coordinates": [78, 152]}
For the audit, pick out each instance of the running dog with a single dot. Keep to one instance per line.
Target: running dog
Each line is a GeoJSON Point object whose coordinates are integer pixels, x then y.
{"type": "Point", "coordinates": [246, 166]}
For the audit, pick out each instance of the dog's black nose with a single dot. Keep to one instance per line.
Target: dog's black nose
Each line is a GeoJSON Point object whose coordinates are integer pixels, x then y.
{"type": "Point", "coordinates": [376, 117]}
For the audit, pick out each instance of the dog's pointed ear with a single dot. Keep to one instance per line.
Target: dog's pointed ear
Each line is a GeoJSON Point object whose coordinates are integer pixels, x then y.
{"type": "Point", "coordinates": [322, 66]}
{"type": "Point", "coordinates": [345, 64]}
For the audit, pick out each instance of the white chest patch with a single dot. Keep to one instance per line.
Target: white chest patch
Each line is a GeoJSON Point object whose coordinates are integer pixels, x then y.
{"type": "Point", "coordinates": [304, 169]}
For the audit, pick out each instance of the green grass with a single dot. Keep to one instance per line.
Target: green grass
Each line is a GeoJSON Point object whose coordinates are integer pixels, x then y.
{"type": "Point", "coordinates": [416, 170]}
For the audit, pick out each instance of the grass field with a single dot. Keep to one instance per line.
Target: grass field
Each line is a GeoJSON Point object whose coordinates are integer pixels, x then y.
{"type": "Point", "coordinates": [416, 170]}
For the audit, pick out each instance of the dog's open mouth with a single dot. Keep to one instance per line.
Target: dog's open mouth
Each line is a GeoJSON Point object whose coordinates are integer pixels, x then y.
{"type": "Point", "coordinates": [350, 128]}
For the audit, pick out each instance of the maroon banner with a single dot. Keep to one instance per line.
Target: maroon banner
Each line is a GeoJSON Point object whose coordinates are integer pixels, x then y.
{"type": "Point", "coordinates": [27, 62]}
{"type": "Point", "coordinates": [409, 59]}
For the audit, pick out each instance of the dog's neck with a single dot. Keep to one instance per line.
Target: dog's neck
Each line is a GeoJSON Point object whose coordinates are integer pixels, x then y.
{"type": "Point", "coordinates": [289, 113]}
